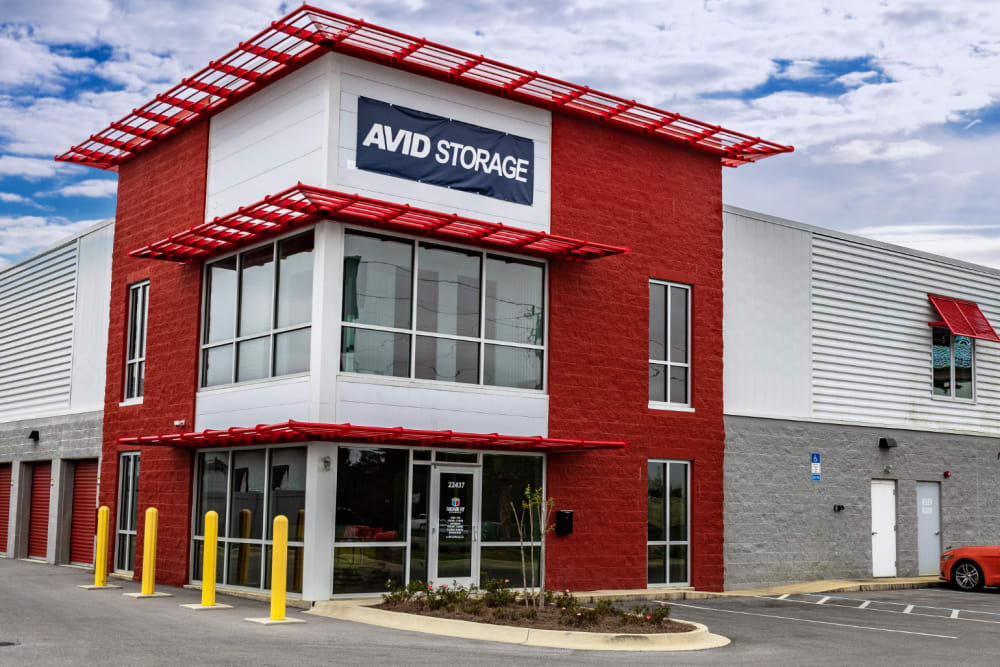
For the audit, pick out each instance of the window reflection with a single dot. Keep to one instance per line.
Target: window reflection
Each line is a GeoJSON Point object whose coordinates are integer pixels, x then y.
{"type": "Point", "coordinates": [371, 494]}
{"type": "Point", "coordinates": [514, 300]}
{"type": "Point", "coordinates": [448, 291]}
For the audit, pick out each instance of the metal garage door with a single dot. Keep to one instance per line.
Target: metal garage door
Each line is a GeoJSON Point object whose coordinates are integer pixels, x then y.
{"type": "Point", "coordinates": [38, 523]}
{"type": "Point", "coordinates": [81, 539]}
{"type": "Point", "coordinates": [4, 504]}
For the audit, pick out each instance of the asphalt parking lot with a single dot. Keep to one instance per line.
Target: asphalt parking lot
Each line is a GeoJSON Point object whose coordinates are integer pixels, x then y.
{"type": "Point", "coordinates": [46, 620]}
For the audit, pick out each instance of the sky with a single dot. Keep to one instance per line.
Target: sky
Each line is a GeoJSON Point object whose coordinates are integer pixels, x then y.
{"type": "Point", "coordinates": [893, 107]}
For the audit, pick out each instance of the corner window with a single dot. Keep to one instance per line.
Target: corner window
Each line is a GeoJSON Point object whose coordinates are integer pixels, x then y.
{"type": "Point", "coordinates": [668, 531]}
{"type": "Point", "coordinates": [135, 354]}
{"type": "Point", "coordinates": [128, 511]}
{"type": "Point", "coordinates": [470, 316]}
{"type": "Point", "coordinates": [953, 362]}
{"type": "Point", "coordinates": [669, 343]}
{"type": "Point", "coordinates": [258, 311]}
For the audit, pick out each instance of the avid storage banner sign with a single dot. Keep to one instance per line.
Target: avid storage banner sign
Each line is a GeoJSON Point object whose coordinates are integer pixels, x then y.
{"type": "Point", "coordinates": [423, 147]}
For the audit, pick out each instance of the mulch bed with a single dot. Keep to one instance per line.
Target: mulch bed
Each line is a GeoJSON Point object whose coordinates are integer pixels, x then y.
{"type": "Point", "coordinates": [549, 618]}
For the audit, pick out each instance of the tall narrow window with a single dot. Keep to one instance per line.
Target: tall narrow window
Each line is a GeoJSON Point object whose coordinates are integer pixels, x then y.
{"type": "Point", "coordinates": [668, 532]}
{"type": "Point", "coordinates": [135, 353]}
{"type": "Point", "coordinates": [128, 506]}
{"type": "Point", "coordinates": [669, 343]}
{"type": "Point", "coordinates": [952, 360]}
{"type": "Point", "coordinates": [258, 311]}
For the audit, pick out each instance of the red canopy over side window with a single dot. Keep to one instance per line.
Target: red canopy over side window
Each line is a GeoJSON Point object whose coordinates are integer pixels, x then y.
{"type": "Point", "coordinates": [963, 318]}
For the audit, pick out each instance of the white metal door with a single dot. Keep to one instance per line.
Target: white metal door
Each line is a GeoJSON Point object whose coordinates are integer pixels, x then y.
{"type": "Point", "coordinates": [453, 554]}
{"type": "Point", "coordinates": [883, 528]}
{"type": "Point", "coordinates": [929, 527]}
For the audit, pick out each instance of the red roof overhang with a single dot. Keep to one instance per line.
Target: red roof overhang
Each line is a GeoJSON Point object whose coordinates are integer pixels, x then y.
{"type": "Point", "coordinates": [309, 32]}
{"type": "Point", "coordinates": [301, 205]}
{"type": "Point", "coordinates": [293, 431]}
{"type": "Point", "coordinates": [963, 318]}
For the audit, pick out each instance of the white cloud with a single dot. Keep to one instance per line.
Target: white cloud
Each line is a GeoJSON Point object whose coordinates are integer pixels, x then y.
{"type": "Point", "coordinates": [12, 198]}
{"type": "Point", "coordinates": [854, 79]}
{"type": "Point", "coordinates": [33, 168]}
{"type": "Point", "coordinates": [91, 187]}
{"type": "Point", "coordinates": [22, 234]}
{"type": "Point", "coordinates": [873, 150]}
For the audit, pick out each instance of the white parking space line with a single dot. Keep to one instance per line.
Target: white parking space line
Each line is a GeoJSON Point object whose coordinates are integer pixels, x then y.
{"type": "Point", "coordinates": [865, 604]}
{"type": "Point", "coordinates": [810, 620]}
{"type": "Point", "coordinates": [783, 597]}
{"type": "Point", "coordinates": [824, 599]}
{"type": "Point", "coordinates": [908, 609]}
{"type": "Point", "coordinates": [954, 613]}
{"type": "Point", "coordinates": [903, 604]}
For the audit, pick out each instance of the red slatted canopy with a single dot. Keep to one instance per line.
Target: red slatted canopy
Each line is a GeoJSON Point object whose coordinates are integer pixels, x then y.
{"type": "Point", "coordinates": [301, 205]}
{"type": "Point", "coordinates": [964, 318]}
{"type": "Point", "coordinates": [309, 32]}
{"type": "Point", "coordinates": [293, 431]}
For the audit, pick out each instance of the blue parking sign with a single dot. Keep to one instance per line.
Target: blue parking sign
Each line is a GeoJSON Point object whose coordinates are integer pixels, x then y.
{"type": "Point", "coordinates": [815, 467]}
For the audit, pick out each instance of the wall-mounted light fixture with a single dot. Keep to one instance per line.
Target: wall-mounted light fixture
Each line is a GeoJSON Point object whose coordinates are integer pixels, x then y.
{"type": "Point", "coordinates": [326, 463]}
{"type": "Point", "coordinates": [947, 473]}
{"type": "Point", "coordinates": [887, 470]}
{"type": "Point", "coordinates": [34, 436]}
{"type": "Point", "coordinates": [887, 443]}
{"type": "Point", "coordinates": [838, 508]}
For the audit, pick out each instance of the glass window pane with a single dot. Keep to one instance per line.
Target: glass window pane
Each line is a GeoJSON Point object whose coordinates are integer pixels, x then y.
{"type": "Point", "coordinates": [246, 517]}
{"type": "Point", "coordinates": [377, 280]}
{"type": "Point", "coordinates": [657, 382]}
{"type": "Point", "coordinates": [657, 321]}
{"type": "Point", "coordinates": [256, 286]}
{"type": "Point", "coordinates": [678, 384]}
{"type": "Point", "coordinates": [220, 312]}
{"type": "Point", "coordinates": [213, 478]}
{"type": "Point", "coordinates": [244, 565]}
{"type": "Point", "coordinates": [140, 376]}
{"type": "Point", "coordinates": [217, 366]}
{"type": "Point", "coordinates": [375, 352]}
{"type": "Point", "coordinates": [419, 510]}
{"type": "Point", "coordinates": [131, 380]}
{"type": "Point", "coordinates": [505, 563]}
{"type": "Point", "coordinates": [513, 367]}
{"type": "Point", "coordinates": [457, 457]}
{"type": "Point", "coordinates": [252, 363]}
{"type": "Point", "coordinates": [504, 481]}
{"type": "Point", "coordinates": [656, 565]}
{"type": "Point", "coordinates": [678, 564]}
{"type": "Point", "coordinates": [295, 280]}
{"type": "Point", "coordinates": [366, 569]}
{"type": "Point", "coordinates": [291, 352]}
{"type": "Point", "coordinates": [421, 455]}
{"type": "Point", "coordinates": [678, 502]}
{"type": "Point", "coordinates": [133, 491]}
{"type": "Point", "coordinates": [293, 572]}
{"type": "Point", "coordinates": [143, 312]}
{"type": "Point", "coordinates": [678, 325]}
{"type": "Point", "coordinates": [963, 367]}
{"type": "Point", "coordinates": [514, 301]}
{"type": "Point", "coordinates": [455, 524]}
{"type": "Point", "coordinates": [447, 359]}
{"type": "Point", "coordinates": [941, 351]}
{"type": "Point", "coordinates": [371, 494]}
{"type": "Point", "coordinates": [133, 320]}
{"type": "Point", "coordinates": [655, 505]}
{"type": "Point", "coordinates": [288, 491]}
{"type": "Point", "coordinates": [448, 291]}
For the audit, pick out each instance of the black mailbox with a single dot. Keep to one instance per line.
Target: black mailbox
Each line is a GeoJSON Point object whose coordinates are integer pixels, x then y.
{"type": "Point", "coordinates": [564, 522]}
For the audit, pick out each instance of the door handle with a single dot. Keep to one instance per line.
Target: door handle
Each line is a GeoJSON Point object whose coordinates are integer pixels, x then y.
{"type": "Point", "coordinates": [874, 532]}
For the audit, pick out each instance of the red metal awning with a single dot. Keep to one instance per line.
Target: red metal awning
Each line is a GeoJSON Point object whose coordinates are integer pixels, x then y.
{"type": "Point", "coordinates": [309, 32]}
{"type": "Point", "coordinates": [293, 431]}
{"type": "Point", "coordinates": [963, 318]}
{"type": "Point", "coordinates": [302, 204]}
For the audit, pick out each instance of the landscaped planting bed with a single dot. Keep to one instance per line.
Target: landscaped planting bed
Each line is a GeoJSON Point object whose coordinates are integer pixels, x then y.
{"type": "Point", "coordinates": [498, 605]}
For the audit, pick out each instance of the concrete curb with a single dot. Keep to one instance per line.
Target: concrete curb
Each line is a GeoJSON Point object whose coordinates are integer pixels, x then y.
{"type": "Point", "coordinates": [698, 639]}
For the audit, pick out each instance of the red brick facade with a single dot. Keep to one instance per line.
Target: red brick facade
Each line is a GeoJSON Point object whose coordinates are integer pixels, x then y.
{"type": "Point", "coordinates": [160, 192]}
{"type": "Point", "coordinates": [665, 204]}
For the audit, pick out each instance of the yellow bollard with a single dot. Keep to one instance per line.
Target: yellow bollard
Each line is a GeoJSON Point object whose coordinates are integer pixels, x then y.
{"type": "Point", "coordinates": [209, 556]}
{"type": "Point", "coordinates": [101, 557]}
{"type": "Point", "coordinates": [149, 552]}
{"type": "Point", "coordinates": [279, 568]}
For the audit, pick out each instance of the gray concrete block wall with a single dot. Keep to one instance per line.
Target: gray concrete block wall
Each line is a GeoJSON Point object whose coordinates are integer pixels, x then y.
{"type": "Point", "coordinates": [61, 439]}
{"type": "Point", "coordinates": [781, 527]}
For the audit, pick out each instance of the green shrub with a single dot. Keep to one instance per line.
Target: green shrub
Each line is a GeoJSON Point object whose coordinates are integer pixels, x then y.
{"type": "Point", "coordinates": [497, 594]}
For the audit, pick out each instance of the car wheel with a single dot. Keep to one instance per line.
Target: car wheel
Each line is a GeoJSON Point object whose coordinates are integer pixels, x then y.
{"type": "Point", "coordinates": [967, 576]}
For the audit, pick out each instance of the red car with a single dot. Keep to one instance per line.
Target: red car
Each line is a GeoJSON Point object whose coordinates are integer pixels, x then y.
{"type": "Point", "coordinates": [971, 568]}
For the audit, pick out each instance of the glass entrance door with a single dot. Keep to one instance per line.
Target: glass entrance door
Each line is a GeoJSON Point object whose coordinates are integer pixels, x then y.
{"type": "Point", "coordinates": [454, 521]}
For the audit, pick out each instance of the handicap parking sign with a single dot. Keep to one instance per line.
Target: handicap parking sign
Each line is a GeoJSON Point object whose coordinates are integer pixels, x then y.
{"type": "Point", "coordinates": [815, 467]}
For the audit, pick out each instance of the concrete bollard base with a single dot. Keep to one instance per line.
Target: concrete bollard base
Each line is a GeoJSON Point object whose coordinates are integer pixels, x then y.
{"type": "Point", "coordinates": [139, 596]}
{"type": "Point", "coordinates": [91, 587]}
{"type": "Point", "coordinates": [269, 621]}
{"type": "Point", "coordinates": [201, 607]}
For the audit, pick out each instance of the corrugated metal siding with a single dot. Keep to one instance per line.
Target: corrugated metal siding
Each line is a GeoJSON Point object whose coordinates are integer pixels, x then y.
{"type": "Point", "coordinates": [871, 346]}
{"type": "Point", "coordinates": [36, 333]}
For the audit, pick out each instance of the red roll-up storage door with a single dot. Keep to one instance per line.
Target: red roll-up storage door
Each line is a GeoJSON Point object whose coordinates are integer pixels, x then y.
{"type": "Point", "coordinates": [38, 523]}
{"type": "Point", "coordinates": [81, 538]}
{"type": "Point", "coordinates": [4, 504]}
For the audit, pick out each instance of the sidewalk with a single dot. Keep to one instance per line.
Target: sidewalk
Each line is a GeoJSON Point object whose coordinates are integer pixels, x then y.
{"type": "Point", "coordinates": [821, 586]}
